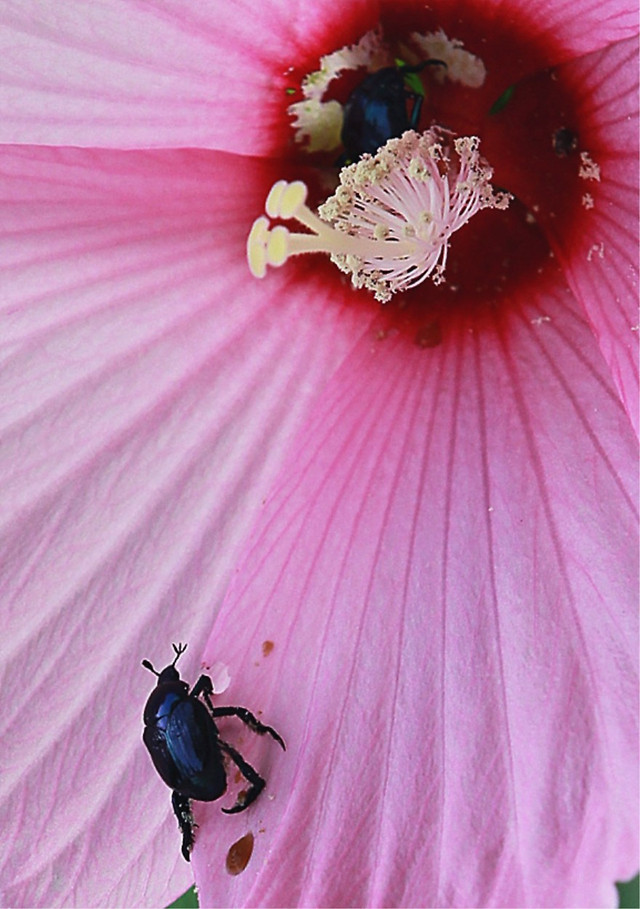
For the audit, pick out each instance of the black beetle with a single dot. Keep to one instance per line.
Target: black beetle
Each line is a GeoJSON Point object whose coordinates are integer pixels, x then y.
{"type": "Point", "coordinates": [376, 110]}
{"type": "Point", "coordinates": [186, 748]}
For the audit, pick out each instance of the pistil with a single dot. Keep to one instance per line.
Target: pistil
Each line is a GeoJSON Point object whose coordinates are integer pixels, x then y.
{"type": "Point", "coordinates": [273, 245]}
{"type": "Point", "coordinates": [389, 222]}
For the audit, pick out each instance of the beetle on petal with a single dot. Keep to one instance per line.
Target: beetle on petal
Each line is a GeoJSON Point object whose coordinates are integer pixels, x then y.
{"type": "Point", "coordinates": [186, 749]}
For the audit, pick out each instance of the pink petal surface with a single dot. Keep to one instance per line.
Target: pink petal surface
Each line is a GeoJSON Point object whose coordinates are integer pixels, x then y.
{"type": "Point", "coordinates": [132, 74]}
{"type": "Point", "coordinates": [447, 571]}
{"type": "Point", "coordinates": [560, 30]}
{"type": "Point", "coordinates": [591, 223]}
{"type": "Point", "coordinates": [578, 29]}
{"type": "Point", "coordinates": [148, 394]}
{"type": "Point", "coordinates": [601, 262]}
{"type": "Point", "coordinates": [145, 406]}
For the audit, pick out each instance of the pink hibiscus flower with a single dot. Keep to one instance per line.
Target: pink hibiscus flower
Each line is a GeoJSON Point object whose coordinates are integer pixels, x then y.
{"type": "Point", "coordinates": [409, 531]}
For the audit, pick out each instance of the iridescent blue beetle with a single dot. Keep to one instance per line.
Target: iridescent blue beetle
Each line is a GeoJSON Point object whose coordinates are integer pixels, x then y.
{"type": "Point", "coordinates": [186, 748]}
{"type": "Point", "coordinates": [376, 110]}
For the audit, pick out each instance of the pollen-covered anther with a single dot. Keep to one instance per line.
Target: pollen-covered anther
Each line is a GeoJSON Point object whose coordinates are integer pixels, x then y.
{"type": "Point", "coordinates": [389, 222]}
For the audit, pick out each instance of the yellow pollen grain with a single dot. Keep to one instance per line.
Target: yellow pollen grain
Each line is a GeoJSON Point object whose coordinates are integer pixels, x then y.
{"type": "Point", "coordinates": [418, 170]}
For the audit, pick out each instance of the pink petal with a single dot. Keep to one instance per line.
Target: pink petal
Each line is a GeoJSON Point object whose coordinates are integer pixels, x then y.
{"type": "Point", "coordinates": [601, 260]}
{"type": "Point", "coordinates": [447, 572]}
{"type": "Point", "coordinates": [571, 29]}
{"type": "Point", "coordinates": [148, 389]}
{"type": "Point", "coordinates": [517, 37]}
{"type": "Point", "coordinates": [591, 224]}
{"type": "Point", "coordinates": [209, 75]}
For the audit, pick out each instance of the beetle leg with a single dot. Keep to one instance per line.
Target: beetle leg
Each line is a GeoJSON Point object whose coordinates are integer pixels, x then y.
{"type": "Point", "coordinates": [203, 686]}
{"type": "Point", "coordinates": [182, 809]}
{"type": "Point", "coordinates": [257, 783]}
{"type": "Point", "coordinates": [416, 95]}
{"type": "Point", "coordinates": [248, 718]}
{"type": "Point", "coordinates": [417, 108]}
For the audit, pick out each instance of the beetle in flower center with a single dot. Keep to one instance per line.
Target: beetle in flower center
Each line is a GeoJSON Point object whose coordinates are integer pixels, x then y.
{"type": "Point", "coordinates": [376, 110]}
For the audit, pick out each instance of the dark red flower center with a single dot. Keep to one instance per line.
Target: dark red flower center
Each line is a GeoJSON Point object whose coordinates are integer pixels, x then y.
{"type": "Point", "coordinates": [530, 134]}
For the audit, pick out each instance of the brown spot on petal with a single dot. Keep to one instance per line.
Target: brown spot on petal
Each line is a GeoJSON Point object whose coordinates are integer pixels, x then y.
{"type": "Point", "coordinates": [429, 335]}
{"type": "Point", "coordinates": [239, 854]}
{"type": "Point", "coordinates": [267, 647]}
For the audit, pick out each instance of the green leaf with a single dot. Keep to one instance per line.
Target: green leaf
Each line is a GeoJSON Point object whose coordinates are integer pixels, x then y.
{"type": "Point", "coordinates": [629, 893]}
{"type": "Point", "coordinates": [188, 900]}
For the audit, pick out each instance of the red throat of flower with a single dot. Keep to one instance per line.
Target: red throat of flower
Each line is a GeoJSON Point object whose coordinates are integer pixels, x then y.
{"type": "Point", "coordinates": [407, 213]}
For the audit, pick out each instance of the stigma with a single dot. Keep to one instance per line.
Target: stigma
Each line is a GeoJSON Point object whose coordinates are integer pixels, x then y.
{"type": "Point", "coordinates": [389, 223]}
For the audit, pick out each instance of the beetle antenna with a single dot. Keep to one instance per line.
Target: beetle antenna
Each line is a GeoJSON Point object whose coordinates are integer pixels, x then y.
{"type": "Point", "coordinates": [179, 649]}
{"type": "Point", "coordinates": [147, 665]}
{"type": "Point", "coordinates": [418, 67]}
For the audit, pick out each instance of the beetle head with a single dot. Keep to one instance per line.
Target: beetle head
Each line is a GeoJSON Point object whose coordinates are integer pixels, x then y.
{"type": "Point", "coordinates": [169, 673]}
